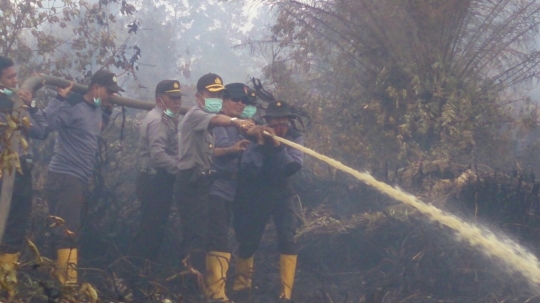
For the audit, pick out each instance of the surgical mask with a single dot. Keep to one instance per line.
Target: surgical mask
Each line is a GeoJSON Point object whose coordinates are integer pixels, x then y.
{"type": "Point", "coordinates": [97, 102]}
{"type": "Point", "coordinates": [248, 112]}
{"type": "Point", "coordinates": [169, 113]}
{"type": "Point", "coordinates": [212, 105]}
{"type": "Point", "coordinates": [6, 91]}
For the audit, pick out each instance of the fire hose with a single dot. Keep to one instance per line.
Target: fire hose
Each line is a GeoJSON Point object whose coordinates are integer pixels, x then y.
{"type": "Point", "coordinates": [32, 85]}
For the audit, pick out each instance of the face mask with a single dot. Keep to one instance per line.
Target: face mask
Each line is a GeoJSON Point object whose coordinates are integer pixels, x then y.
{"type": "Point", "coordinates": [7, 92]}
{"type": "Point", "coordinates": [169, 113]}
{"type": "Point", "coordinates": [248, 112]}
{"type": "Point", "coordinates": [97, 102]}
{"type": "Point", "coordinates": [212, 105]}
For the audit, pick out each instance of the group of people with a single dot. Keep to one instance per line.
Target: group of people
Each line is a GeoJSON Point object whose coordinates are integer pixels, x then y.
{"type": "Point", "coordinates": [218, 164]}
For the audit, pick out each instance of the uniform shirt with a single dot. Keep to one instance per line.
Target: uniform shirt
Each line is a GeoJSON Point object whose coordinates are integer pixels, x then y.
{"type": "Point", "coordinates": [196, 140]}
{"type": "Point", "coordinates": [272, 166]}
{"type": "Point", "coordinates": [38, 124]}
{"type": "Point", "coordinates": [79, 125]}
{"type": "Point", "coordinates": [226, 137]}
{"type": "Point", "coordinates": [158, 141]}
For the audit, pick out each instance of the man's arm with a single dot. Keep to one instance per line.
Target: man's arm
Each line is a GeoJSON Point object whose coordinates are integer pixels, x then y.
{"type": "Point", "coordinates": [227, 146]}
{"type": "Point", "coordinates": [57, 113]}
{"type": "Point", "coordinates": [38, 125]}
{"type": "Point", "coordinates": [222, 120]}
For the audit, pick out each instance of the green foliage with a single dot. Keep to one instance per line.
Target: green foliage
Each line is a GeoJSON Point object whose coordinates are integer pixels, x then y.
{"type": "Point", "coordinates": [402, 81]}
{"type": "Point", "coordinates": [67, 38]}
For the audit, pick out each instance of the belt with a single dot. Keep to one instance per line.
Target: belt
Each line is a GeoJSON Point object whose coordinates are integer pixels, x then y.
{"type": "Point", "coordinates": [149, 170]}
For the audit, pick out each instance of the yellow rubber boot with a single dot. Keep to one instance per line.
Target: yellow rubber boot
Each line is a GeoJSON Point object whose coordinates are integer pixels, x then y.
{"type": "Point", "coordinates": [8, 272]}
{"type": "Point", "coordinates": [66, 266]}
{"type": "Point", "coordinates": [243, 272]}
{"type": "Point", "coordinates": [217, 265]}
{"type": "Point", "coordinates": [287, 266]}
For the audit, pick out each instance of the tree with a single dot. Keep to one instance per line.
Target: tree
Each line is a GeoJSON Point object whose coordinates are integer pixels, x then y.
{"type": "Point", "coordinates": [409, 80]}
{"type": "Point", "coordinates": [66, 38]}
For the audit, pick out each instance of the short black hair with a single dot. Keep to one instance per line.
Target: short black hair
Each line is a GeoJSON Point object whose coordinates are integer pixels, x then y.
{"type": "Point", "coordinates": [5, 62]}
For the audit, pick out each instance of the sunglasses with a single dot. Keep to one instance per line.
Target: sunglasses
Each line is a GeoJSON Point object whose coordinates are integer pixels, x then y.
{"type": "Point", "coordinates": [236, 100]}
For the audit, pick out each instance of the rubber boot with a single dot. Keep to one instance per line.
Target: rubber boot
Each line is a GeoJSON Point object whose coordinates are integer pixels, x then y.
{"type": "Point", "coordinates": [8, 272]}
{"type": "Point", "coordinates": [243, 272]}
{"type": "Point", "coordinates": [287, 265]}
{"type": "Point", "coordinates": [66, 266]}
{"type": "Point", "coordinates": [217, 264]}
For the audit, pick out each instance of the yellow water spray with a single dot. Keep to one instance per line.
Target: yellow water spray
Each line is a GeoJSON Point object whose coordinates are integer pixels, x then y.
{"type": "Point", "coordinates": [516, 258]}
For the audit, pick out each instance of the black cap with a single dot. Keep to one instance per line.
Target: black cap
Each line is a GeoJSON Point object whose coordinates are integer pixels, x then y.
{"type": "Point", "coordinates": [252, 95]}
{"type": "Point", "coordinates": [278, 109]}
{"type": "Point", "coordinates": [210, 82]}
{"type": "Point", "coordinates": [237, 91]}
{"type": "Point", "coordinates": [170, 88]}
{"type": "Point", "coordinates": [107, 79]}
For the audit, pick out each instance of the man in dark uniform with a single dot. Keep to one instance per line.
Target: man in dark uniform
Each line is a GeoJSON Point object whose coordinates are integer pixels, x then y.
{"type": "Point", "coordinates": [264, 191]}
{"type": "Point", "coordinates": [193, 181]}
{"type": "Point", "coordinates": [21, 200]}
{"type": "Point", "coordinates": [79, 120]}
{"type": "Point", "coordinates": [229, 147]}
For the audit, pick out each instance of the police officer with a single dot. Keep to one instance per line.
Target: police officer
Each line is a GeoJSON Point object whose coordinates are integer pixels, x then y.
{"type": "Point", "coordinates": [264, 191]}
{"type": "Point", "coordinates": [21, 200]}
{"type": "Point", "coordinates": [158, 155]}
{"type": "Point", "coordinates": [226, 161]}
{"type": "Point", "coordinates": [79, 120]}
{"type": "Point", "coordinates": [193, 181]}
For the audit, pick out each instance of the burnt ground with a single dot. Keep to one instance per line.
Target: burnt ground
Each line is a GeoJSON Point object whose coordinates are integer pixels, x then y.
{"type": "Point", "coordinates": [356, 246]}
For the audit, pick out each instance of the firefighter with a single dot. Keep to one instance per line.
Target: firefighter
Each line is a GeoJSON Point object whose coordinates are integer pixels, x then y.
{"type": "Point", "coordinates": [264, 191]}
{"type": "Point", "coordinates": [21, 200]}
{"type": "Point", "coordinates": [158, 159]}
{"type": "Point", "coordinates": [78, 119]}
{"type": "Point", "coordinates": [192, 185]}
{"type": "Point", "coordinates": [230, 143]}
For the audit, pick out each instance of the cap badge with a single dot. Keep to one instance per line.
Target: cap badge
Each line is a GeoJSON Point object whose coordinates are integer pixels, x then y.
{"type": "Point", "coordinates": [114, 78]}
{"type": "Point", "coordinates": [175, 85]}
{"type": "Point", "coordinates": [278, 104]}
{"type": "Point", "coordinates": [218, 81]}
{"type": "Point", "coordinates": [245, 90]}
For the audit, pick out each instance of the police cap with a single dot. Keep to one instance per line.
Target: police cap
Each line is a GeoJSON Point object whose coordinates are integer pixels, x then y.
{"type": "Point", "coordinates": [170, 88]}
{"type": "Point", "coordinates": [210, 82]}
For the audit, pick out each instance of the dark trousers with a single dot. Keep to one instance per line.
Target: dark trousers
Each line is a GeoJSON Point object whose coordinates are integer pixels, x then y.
{"type": "Point", "coordinates": [66, 196]}
{"type": "Point", "coordinates": [218, 223]}
{"type": "Point", "coordinates": [19, 212]}
{"type": "Point", "coordinates": [191, 195]}
{"type": "Point", "coordinates": [253, 208]}
{"type": "Point", "coordinates": [155, 192]}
